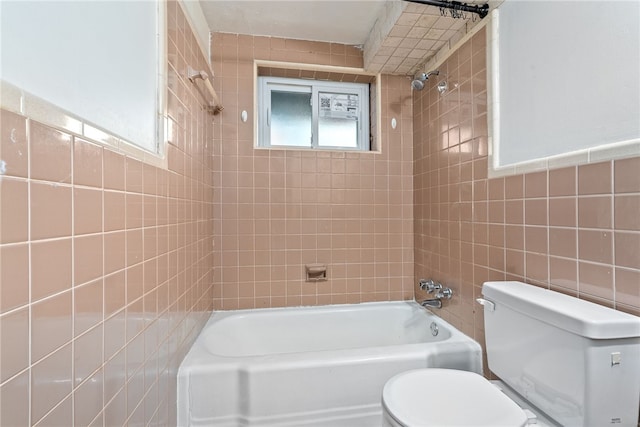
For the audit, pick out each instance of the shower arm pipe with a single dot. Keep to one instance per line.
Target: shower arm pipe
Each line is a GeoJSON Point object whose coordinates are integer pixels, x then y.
{"type": "Point", "coordinates": [481, 10]}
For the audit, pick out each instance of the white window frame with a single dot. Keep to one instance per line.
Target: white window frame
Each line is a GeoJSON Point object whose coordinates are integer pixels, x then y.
{"type": "Point", "coordinates": [267, 84]}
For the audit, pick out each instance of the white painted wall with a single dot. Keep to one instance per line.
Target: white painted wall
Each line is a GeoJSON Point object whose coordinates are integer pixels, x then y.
{"type": "Point", "coordinates": [566, 77]}
{"type": "Point", "coordinates": [99, 60]}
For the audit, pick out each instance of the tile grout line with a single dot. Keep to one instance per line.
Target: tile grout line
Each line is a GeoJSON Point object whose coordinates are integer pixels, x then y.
{"type": "Point", "coordinates": [29, 233]}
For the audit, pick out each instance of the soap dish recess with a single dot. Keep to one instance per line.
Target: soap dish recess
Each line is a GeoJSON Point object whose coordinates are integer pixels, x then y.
{"type": "Point", "coordinates": [316, 272]}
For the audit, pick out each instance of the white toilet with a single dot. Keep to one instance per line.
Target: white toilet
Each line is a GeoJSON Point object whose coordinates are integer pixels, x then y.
{"type": "Point", "coordinates": [562, 362]}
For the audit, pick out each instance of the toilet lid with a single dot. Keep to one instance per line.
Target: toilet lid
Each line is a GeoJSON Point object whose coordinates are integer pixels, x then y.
{"type": "Point", "coordinates": [448, 397]}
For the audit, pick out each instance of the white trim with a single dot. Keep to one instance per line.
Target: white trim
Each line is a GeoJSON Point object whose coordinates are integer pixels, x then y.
{"type": "Point", "coordinates": [161, 80]}
{"type": "Point", "coordinates": [312, 67]}
{"type": "Point", "coordinates": [613, 151]}
{"type": "Point", "coordinates": [20, 102]}
{"type": "Point", "coordinates": [199, 25]}
{"type": "Point", "coordinates": [493, 88]}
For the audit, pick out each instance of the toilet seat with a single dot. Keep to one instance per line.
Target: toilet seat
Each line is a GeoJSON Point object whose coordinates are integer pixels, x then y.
{"type": "Point", "coordinates": [448, 398]}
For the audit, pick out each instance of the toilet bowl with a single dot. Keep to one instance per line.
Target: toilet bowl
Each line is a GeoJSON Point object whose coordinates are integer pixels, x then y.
{"type": "Point", "coordinates": [558, 358]}
{"type": "Point", "coordinates": [451, 398]}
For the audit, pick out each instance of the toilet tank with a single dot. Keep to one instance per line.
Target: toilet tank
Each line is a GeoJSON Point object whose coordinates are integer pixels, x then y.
{"type": "Point", "coordinates": [576, 361]}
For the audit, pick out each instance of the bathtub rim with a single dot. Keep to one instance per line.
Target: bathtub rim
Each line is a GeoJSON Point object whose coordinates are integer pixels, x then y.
{"type": "Point", "coordinates": [199, 352]}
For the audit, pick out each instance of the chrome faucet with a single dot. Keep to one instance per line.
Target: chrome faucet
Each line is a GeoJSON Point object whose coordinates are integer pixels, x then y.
{"type": "Point", "coordinates": [434, 303]}
{"type": "Point", "coordinates": [442, 293]}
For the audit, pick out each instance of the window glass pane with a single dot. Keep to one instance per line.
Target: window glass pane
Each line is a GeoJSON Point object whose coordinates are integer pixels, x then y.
{"type": "Point", "coordinates": [338, 120]}
{"type": "Point", "coordinates": [290, 118]}
{"type": "Point", "coordinates": [337, 132]}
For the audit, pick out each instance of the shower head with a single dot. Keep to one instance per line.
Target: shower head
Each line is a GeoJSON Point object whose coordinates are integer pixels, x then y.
{"type": "Point", "coordinates": [418, 82]}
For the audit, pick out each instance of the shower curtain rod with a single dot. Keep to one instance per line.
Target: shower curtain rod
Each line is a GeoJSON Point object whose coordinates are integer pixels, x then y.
{"type": "Point", "coordinates": [481, 10]}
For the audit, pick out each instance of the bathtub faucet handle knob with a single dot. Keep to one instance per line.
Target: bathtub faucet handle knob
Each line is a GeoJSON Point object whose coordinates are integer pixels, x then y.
{"type": "Point", "coordinates": [445, 293]}
{"type": "Point", "coordinates": [429, 285]}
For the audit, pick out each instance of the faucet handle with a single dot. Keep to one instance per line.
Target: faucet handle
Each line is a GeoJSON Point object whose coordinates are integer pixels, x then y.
{"type": "Point", "coordinates": [445, 293]}
{"type": "Point", "coordinates": [429, 285]}
{"type": "Point", "coordinates": [425, 284]}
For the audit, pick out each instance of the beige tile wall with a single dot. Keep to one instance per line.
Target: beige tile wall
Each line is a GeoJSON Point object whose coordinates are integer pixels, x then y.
{"type": "Point", "coordinates": [575, 229]}
{"type": "Point", "coordinates": [277, 210]}
{"type": "Point", "coordinates": [106, 265]}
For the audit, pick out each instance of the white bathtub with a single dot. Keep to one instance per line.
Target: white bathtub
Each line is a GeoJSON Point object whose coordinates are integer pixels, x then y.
{"type": "Point", "coordinates": [311, 366]}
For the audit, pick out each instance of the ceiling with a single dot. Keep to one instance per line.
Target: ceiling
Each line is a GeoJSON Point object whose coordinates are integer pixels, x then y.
{"type": "Point", "coordinates": [397, 37]}
{"type": "Point", "coordinates": [347, 21]}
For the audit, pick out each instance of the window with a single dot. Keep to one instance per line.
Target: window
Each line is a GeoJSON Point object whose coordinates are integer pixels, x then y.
{"type": "Point", "coordinates": [298, 113]}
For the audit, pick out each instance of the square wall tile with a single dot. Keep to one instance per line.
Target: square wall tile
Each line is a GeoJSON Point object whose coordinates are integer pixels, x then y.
{"type": "Point", "coordinates": [114, 293]}
{"type": "Point", "coordinates": [88, 309]}
{"type": "Point", "coordinates": [14, 401]}
{"type": "Point", "coordinates": [51, 325]}
{"type": "Point", "coordinates": [14, 337]}
{"type": "Point", "coordinates": [60, 415]}
{"type": "Point", "coordinates": [115, 251]}
{"type": "Point", "coordinates": [114, 211]}
{"type": "Point", "coordinates": [562, 182]}
{"type": "Point", "coordinates": [626, 176]}
{"type": "Point", "coordinates": [627, 287]}
{"type": "Point", "coordinates": [563, 273]}
{"type": "Point", "coordinates": [627, 212]}
{"type": "Point", "coordinates": [88, 398]}
{"type": "Point", "coordinates": [50, 210]}
{"type": "Point", "coordinates": [87, 163]}
{"type": "Point", "coordinates": [87, 258]}
{"type": "Point", "coordinates": [595, 178]}
{"type": "Point", "coordinates": [14, 148]}
{"type": "Point", "coordinates": [596, 246]}
{"type": "Point", "coordinates": [514, 187]}
{"type": "Point", "coordinates": [627, 249]}
{"type": "Point", "coordinates": [562, 212]}
{"type": "Point", "coordinates": [563, 242]}
{"type": "Point", "coordinates": [535, 211]}
{"type": "Point", "coordinates": [14, 199]}
{"type": "Point", "coordinates": [14, 276]}
{"type": "Point", "coordinates": [50, 382]}
{"type": "Point", "coordinates": [536, 239]}
{"type": "Point", "coordinates": [595, 212]}
{"type": "Point", "coordinates": [51, 262]}
{"type": "Point", "coordinates": [113, 170]}
{"type": "Point", "coordinates": [596, 280]}
{"type": "Point", "coordinates": [50, 154]}
{"type": "Point", "coordinates": [87, 216]}
{"type": "Point", "coordinates": [535, 184]}
{"type": "Point", "coordinates": [89, 345]}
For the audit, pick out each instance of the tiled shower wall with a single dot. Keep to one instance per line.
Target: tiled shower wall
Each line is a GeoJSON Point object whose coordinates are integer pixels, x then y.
{"type": "Point", "coordinates": [277, 210]}
{"type": "Point", "coordinates": [106, 265]}
{"type": "Point", "coordinates": [575, 229]}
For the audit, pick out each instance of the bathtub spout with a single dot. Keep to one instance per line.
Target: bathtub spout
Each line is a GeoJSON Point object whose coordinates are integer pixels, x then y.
{"type": "Point", "coordinates": [435, 303]}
